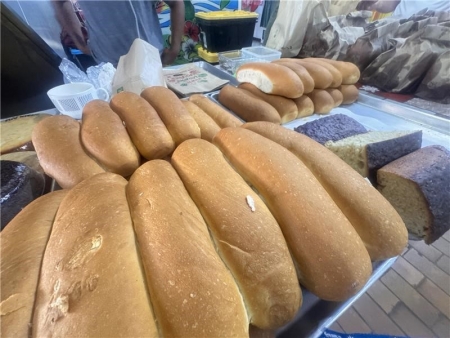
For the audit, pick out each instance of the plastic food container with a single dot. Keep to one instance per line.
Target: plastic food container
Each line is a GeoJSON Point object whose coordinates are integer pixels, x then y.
{"type": "Point", "coordinates": [226, 30]}
{"type": "Point", "coordinates": [232, 60]}
{"type": "Point", "coordinates": [209, 57]}
{"type": "Point", "coordinates": [262, 53]}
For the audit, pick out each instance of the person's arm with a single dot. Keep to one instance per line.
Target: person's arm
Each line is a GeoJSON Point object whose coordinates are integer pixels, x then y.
{"type": "Point", "coordinates": [68, 19]}
{"type": "Point", "coordinates": [177, 29]}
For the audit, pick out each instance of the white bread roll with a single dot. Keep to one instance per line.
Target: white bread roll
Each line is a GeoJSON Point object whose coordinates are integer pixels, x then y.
{"type": "Point", "coordinates": [245, 233]}
{"type": "Point", "coordinates": [192, 292]}
{"type": "Point", "coordinates": [145, 127]}
{"type": "Point", "coordinates": [322, 100]}
{"type": "Point", "coordinates": [23, 245]}
{"type": "Point", "coordinates": [208, 127]}
{"type": "Point", "coordinates": [271, 78]}
{"type": "Point", "coordinates": [247, 106]}
{"type": "Point", "coordinates": [349, 93]}
{"type": "Point", "coordinates": [104, 136]}
{"type": "Point", "coordinates": [61, 155]}
{"type": "Point", "coordinates": [376, 221]}
{"type": "Point", "coordinates": [337, 96]}
{"type": "Point", "coordinates": [305, 106]}
{"type": "Point", "coordinates": [286, 108]}
{"type": "Point", "coordinates": [175, 116]}
{"type": "Point", "coordinates": [222, 117]}
{"type": "Point", "coordinates": [302, 73]}
{"type": "Point", "coordinates": [321, 76]}
{"type": "Point", "coordinates": [337, 76]}
{"type": "Point", "coordinates": [350, 72]}
{"type": "Point", "coordinates": [91, 282]}
{"type": "Point", "coordinates": [331, 258]}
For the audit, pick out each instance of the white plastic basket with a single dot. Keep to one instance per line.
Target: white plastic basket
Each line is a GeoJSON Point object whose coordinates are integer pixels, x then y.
{"type": "Point", "coordinates": [70, 98]}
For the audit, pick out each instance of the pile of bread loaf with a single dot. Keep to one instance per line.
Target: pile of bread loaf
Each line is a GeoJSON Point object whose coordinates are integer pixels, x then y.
{"type": "Point", "coordinates": [286, 89]}
{"type": "Point", "coordinates": [210, 231]}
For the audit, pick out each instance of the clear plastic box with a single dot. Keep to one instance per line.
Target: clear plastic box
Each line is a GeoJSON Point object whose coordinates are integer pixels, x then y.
{"type": "Point", "coordinates": [262, 53]}
{"type": "Point", "coordinates": [232, 60]}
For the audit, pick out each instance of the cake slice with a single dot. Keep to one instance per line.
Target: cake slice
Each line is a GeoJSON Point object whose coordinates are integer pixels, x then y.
{"type": "Point", "coordinates": [331, 128]}
{"type": "Point", "coordinates": [368, 152]}
{"type": "Point", "coordinates": [418, 187]}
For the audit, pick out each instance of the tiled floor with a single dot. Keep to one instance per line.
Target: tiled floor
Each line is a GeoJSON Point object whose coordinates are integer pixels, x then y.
{"type": "Point", "coordinates": [411, 299]}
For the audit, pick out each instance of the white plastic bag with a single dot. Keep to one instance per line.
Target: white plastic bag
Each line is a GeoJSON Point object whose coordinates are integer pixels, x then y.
{"type": "Point", "coordinates": [139, 69]}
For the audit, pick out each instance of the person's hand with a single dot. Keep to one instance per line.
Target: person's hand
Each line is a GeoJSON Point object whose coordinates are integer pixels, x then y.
{"type": "Point", "coordinates": [168, 56]}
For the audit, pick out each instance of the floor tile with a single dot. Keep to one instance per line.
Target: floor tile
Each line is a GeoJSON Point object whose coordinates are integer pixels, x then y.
{"type": "Point", "coordinates": [442, 328]}
{"type": "Point", "coordinates": [383, 296]}
{"type": "Point", "coordinates": [447, 235]}
{"type": "Point", "coordinates": [409, 323]}
{"type": "Point", "coordinates": [435, 296]}
{"type": "Point", "coordinates": [444, 264]}
{"type": "Point", "coordinates": [443, 246]}
{"type": "Point", "coordinates": [407, 271]}
{"type": "Point", "coordinates": [351, 322]}
{"type": "Point", "coordinates": [336, 327]}
{"type": "Point", "coordinates": [428, 251]}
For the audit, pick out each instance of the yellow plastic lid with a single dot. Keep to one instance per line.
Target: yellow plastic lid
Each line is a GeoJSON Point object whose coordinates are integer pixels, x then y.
{"type": "Point", "coordinates": [207, 56]}
{"type": "Point", "coordinates": [226, 15]}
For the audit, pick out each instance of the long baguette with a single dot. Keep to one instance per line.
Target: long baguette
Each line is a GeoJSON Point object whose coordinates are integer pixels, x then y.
{"type": "Point", "coordinates": [222, 117]}
{"type": "Point", "coordinates": [192, 292]}
{"type": "Point", "coordinates": [305, 106]}
{"type": "Point", "coordinates": [322, 100]}
{"type": "Point", "coordinates": [337, 75]}
{"type": "Point", "coordinates": [23, 245]}
{"type": "Point", "coordinates": [302, 73]}
{"type": "Point", "coordinates": [146, 129]}
{"type": "Point", "coordinates": [179, 122]}
{"type": "Point", "coordinates": [321, 76]}
{"type": "Point", "coordinates": [350, 72]}
{"type": "Point", "coordinates": [208, 127]}
{"type": "Point", "coordinates": [246, 234]}
{"type": "Point", "coordinates": [376, 221]}
{"type": "Point", "coordinates": [60, 152]}
{"type": "Point", "coordinates": [332, 260]}
{"type": "Point", "coordinates": [91, 282]}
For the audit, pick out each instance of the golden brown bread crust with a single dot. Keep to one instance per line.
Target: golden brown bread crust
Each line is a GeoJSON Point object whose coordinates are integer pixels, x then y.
{"type": "Point", "coordinates": [91, 282]}
{"type": "Point", "coordinates": [175, 116]}
{"type": "Point", "coordinates": [332, 260]}
{"type": "Point", "coordinates": [349, 93]}
{"type": "Point", "coordinates": [321, 76]}
{"type": "Point", "coordinates": [271, 78]}
{"type": "Point", "coordinates": [60, 152]}
{"type": "Point", "coordinates": [286, 108]}
{"type": "Point", "coordinates": [104, 136]}
{"type": "Point", "coordinates": [350, 72]}
{"type": "Point", "coordinates": [302, 73]}
{"type": "Point", "coordinates": [249, 241]}
{"type": "Point", "coordinates": [23, 245]}
{"type": "Point", "coordinates": [247, 106]}
{"type": "Point", "coordinates": [192, 292]}
{"type": "Point", "coordinates": [305, 106]}
{"type": "Point", "coordinates": [208, 128]}
{"type": "Point", "coordinates": [222, 117]}
{"type": "Point", "coordinates": [145, 127]}
{"type": "Point", "coordinates": [337, 75]}
{"type": "Point", "coordinates": [337, 96]}
{"type": "Point", "coordinates": [322, 100]}
{"type": "Point", "coordinates": [376, 221]}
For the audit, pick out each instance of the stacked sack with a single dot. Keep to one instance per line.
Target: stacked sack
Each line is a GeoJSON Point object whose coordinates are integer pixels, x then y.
{"type": "Point", "coordinates": [286, 89]}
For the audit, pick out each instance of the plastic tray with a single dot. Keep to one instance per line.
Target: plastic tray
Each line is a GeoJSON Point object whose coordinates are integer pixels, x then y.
{"type": "Point", "coordinates": [262, 53]}
{"type": "Point", "coordinates": [231, 61]}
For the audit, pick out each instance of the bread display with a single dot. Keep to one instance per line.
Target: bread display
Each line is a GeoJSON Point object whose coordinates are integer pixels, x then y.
{"type": "Point", "coordinates": [321, 76]}
{"type": "Point", "coordinates": [418, 186]}
{"type": "Point", "coordinates": [350, 72]}
{"type": "Point", "coordinates": [368, 152]}
{"type": "Point", "coordinates": [91, 282]}
{"type": "Point", "coordinates": [376, 221]}
{"type": "Point", "coordinates": [271, 78]}
{"type": "Point", "coordinates": [349, 93]}
{"type": "Point", "coordinates": [16, 132]}
{"type": "Point", "coordinates": [192, 292]}
{"type": "Point", "coordinates": [302, 73]}
{"type": "Point", "coordinates": [146, 129]}
{"type": "Point", "coordinates": [222, 117]}
{"type": "Point", "coordinates": [104, 136]}
{"type": "Point", "coordinates": [331, 128]}
{"type": "Point", "coordinates": [247, 106]}
{"type": "Point", "coordinates": [337, 96]}
{"type": "Point", "coordinates": [245, 234]}
{"type": "Point", "coordinates": [335, 73]}
{"type": "Point", "coordinates": [60, 152]}
{"type": "Point", "coordinates": [23, 244]}
{"type": "Point", "coordinates": [322, 100]}
{"type": "Point", "coordinates": [286, 108]}
{"type": "Point", "coordinates": [208, 127]}
{"type": "Point", "coordinates": [304, 211]}
{"type": "Point", "coordinates": [305, 106]}
{"type": "Point", "coordinates": [175, 116]}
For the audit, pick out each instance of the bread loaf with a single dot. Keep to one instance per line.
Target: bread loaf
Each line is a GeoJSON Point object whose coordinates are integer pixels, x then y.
{"type": "Point", "coordinates": [331, 258]}
{"type": "Point", "coordinates": [286, 108]}
{"type": "Point", "coordinates": [246, 106]}
{"type": "Point", "coordinates": [335, 73]}
{"type": "Point", "coordinates": [245, 233]}
{"type": "Point", "coordinates": [145, 127]}
{"type": "Point", "coordinates": [418, 186]}
{"type": "Point", "coordinates": [208, 128]}
{"type": "Point", "coordinates": [349, 93]}
{"type": "Point", "coordinates": [91, 282]}
{"type": "Point", "coordinates": [302, 73]}
{"type": "Point", "coordinates": [350, 72]}
{"type": "Point", "coordinates": [305, 106]}
{"type": "Point", "coordinates": [58, 147]}
{"type": "Point", "coordinates": [175, 116]}
{"type": "Point", "coordinates": [271, 78]}
{"type": "Point", "coordinates": [192, 292]}
{"type": "Point", "coordinates": [222, 117]}
{"type": "Point", "coordinates": [321, 76]}
{"type": "Point", "coordinates": [337, 96]}
{"type": "Point", "coordinates": [22, 249]}
{"type": "Point", "coordinates": [376, 221]}
{"type": "Point", "coordinates": [322, 100]}
{"type": "Point", "coordinates": [104, 136]}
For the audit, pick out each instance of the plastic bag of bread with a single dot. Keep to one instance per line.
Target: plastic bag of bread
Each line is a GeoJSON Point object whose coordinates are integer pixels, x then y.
{"type": "Point", "coordinates": [436, 84]}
